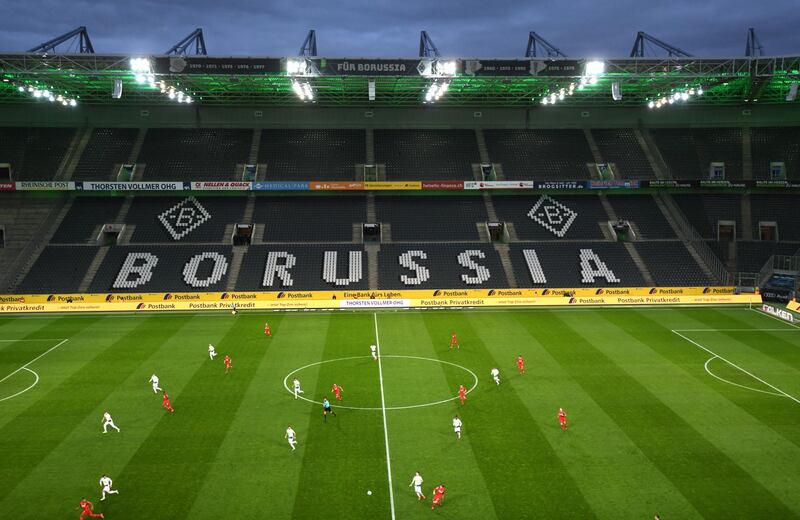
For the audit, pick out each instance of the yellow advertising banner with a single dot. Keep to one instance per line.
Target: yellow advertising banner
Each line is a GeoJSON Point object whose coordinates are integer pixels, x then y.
{"type": "Point", "coordinates": [793, 306]}
{"type": "Point", "coordinates": [152, 302]}
{"type": "Point", "coordinates": [397, 185]}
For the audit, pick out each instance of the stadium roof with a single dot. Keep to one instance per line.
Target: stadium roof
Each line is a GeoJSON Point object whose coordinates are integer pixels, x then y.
{"type": "Point", "coordinates": [398, 82]}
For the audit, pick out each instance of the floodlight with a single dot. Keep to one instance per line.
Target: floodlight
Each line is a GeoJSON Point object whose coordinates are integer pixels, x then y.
{"type": "Point", "coordinates": [594, 68]}
{"type": "Point", "coordinates": [651, 104]}
{"type": "Point", "coordinates": [141, 65]}
{"type": "Point", "coordinates": [684, 96]}
{"type": "Point", "coordinates": [544, 101]}
{"type": "Point", "coordinates": [296, 66]}
{"type": "Point", "coordinates": [21, 89]}
{"type": "Point", "coordinates": [73, 103]}
{"type": "Point", "coordinates": [446, 68]}
{"type": "Point", "coordinates": [171, 94]}
{"type": "Point", "coordinates": [37, 93]}
{"type": "Point", "coordinates": [700, 91]}
{"type": "Point", "coordinates": [308, 92]}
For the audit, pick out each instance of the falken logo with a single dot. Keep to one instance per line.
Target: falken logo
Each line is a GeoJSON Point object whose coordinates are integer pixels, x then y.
{"type": "Point", "coordinates": [168, 296]}
{"type": "Point", "coordinates": [552, 215]}
{"type": "Point", "coordinates": [184, 217]}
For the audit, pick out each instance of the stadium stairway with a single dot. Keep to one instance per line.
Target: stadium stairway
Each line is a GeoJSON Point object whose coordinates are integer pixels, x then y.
{"type": "Point", "coordinates": [483, 151]}
{"type": "Point", "coordinates": [747, 154]}
{"type": "Point", "coordinates": [74, 153]}
{"type": "Point", "coordinates": [710, 263]}
{"type": "Point", "coordinates": [747, 217]}
{"type": "Point", "coordinates": [97, 261]}
{"type": "Point", "coordinates": [32, 221]}
{"type": "Point", "coordinates": [598, 158]}
{"type": "Point", "coordinates": [652, 153]}
{"type": "Point", "coordinates": [637, 259]}
{"type": "Point", "coordinates": [255, 144]}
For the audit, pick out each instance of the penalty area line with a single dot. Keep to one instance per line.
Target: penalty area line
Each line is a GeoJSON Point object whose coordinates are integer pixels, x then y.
{"type": "Point", "coordinates": [734, 365]}
{"type": "Point", "coordinates": [383, 413]}
{"type": "Point", "coordinates": [25, 366]}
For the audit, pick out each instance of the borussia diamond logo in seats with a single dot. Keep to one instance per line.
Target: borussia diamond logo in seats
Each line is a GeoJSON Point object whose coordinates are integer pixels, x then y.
{"type": "Point", "coordinates": [552, 215]}
{"type": "Point", "coordinates": [184, 217]}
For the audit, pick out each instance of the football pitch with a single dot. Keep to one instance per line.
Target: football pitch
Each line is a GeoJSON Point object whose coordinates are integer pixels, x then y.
{"type": "Point", "coordinates": [685, 412]}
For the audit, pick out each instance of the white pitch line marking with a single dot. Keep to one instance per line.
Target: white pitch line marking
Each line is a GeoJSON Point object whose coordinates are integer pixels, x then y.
{"type": "Point", "coordinates": [374, 408]}
{"type": "Point", "coordinates": [23, 391]}
{"type": "Point", "coordinates": [712, 374]}
{"type": "Point", "coordinates": [696, 344]}
{"type": "Point", "coordinates": [25, 366]}
{"type": "Point", "coordinates": [383, 410]}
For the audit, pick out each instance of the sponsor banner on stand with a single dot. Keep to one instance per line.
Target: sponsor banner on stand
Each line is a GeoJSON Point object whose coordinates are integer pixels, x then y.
{"type": "Point", "coordinates": [280, 185]}
{"type": "Point", "coordinates": [367, 66]}
{"type": "Point", "coordinates": [215, 65]}
{"type": "Point", "coordinates": [222, 185]}
{"type": "Point", "coordinates": [335, 186]}
{"type": "Point", "coordinates": [559, 185]}
{"type": "Point", "coordinates": [7, 186]}
{"type": "Point", "coordinates": [498, 185]}
{"type": "Point", "coordinates": [393, 185]}
{"type": "Point", "coordinates": [614, 183]}
{"type": "Point", "coordinates": [498, 67]}
{"type": "Point", "coordinates": [442, 185]}
{"type": "Point", "coordinates": [45, 185]}
{"type": "Point", "coordinates": [130, 186]}
{"type": "Point", "coordinates": [373, 304]}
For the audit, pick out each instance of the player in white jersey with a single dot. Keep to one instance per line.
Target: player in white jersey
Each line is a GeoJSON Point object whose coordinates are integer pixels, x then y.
{"type": "Point", "coordinates": [291, 436]}
{"type": "Point", "coordinates": [154, 380]}
{"type": "Point", "coordinates": [496, 375]}
{"type": "Point", "coordinates": [212, 352]}
{"type": "Point", "coordinates": [374, 350]}
{"type": "Point", "coordinates": [108, 421]}
{"type": "Point", "coordinates": [106, 483]}
{"type": "Point", "coordinates": [457, 426]}
{"type": "Point", "coordinates": [416, 481]}
{"type": "Point", "coordinates": [297, 390]}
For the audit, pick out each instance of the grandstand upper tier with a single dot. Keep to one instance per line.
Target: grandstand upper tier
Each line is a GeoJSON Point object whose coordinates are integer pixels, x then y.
{"type": "Point", "coordinates": [320, 154]}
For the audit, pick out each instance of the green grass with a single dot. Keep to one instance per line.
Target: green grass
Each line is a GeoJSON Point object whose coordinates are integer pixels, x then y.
{"type": "Point", "coordinates": [650, 429]}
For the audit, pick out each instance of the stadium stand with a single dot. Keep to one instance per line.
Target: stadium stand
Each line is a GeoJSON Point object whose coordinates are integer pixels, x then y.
{"type": "Point", "coordinates": [642, 211]}
{"type": "Point", "coordinates": [574, 265]}
{"type": "Point", "coordinates": [689, 152]}
{"type": "Point", "coordinates": [620, 147]}
{"type": "Point", "coordinates": [59, 269]}
{"type": "Point", "coordinates": [704, 211]}
{"type": "Point", "coordinates": [670, 264]}
{"type": "Point", "coordinates": [163, 269]}
{"type": "Point", "coordinates": [82, 222]}
{"type": "Point", "coordinates": [184, 219]}
{"type": "Point", "coordinates": [782, 209]}
{"type": "Point", "coordinates": [422, 218]}
{"type": "Point", "coordinates": [309, 219]}
{"type": "Point", "coordinates": [194, 154]}
{"type": "Point", "coordinates": [775, 145]}
{"type": "Point", "coordinates": [34, 153]}
{"type": "Point", "coordinates": [545, 217]}
{"type": "Point", "coordinates": [427, 154]}
{"type": "Point", "coordinates": [312, 154]}
{"type": "Point", "coordinates": [752, 255]}
{"type": "Point", "coordinates": [540, 154]}
{"type": "Point", "coordinates": [107, 148]}
{"type": "Point", "coordinates": [303, 267]}
{"type": "Point", "coordinates": [451, 265]}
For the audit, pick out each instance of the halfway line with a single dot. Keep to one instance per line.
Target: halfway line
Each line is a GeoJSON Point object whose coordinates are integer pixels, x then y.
{"type": "Point", "coordinates": [383, 412]}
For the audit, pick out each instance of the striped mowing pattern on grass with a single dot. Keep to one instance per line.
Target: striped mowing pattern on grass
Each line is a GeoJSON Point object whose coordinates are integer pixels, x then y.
{"type": "Point", "coordinates": [650, 429]}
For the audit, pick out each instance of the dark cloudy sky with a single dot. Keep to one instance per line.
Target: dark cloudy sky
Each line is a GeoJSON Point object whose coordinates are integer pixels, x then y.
{"type": "Point", "coordinates": [587, 28]}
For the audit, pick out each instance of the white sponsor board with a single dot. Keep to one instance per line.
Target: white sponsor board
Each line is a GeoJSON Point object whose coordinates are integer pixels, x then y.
{"type": "Point", "coordinates": [498, 185]}
{"type": "Point", "coordinates": [780, 313]}
{"type": "Point", "coordinates": [45, 185]}
{"type": "Point", "coordinates": [132, 186]}
{"type": "Point", "coordinates": [373, 304]}
{"type": "Point", "coordinates": [210, 185]}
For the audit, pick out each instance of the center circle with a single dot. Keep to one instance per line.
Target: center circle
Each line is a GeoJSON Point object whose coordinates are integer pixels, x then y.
{"type": "Point", "coordinates": [432, 403]}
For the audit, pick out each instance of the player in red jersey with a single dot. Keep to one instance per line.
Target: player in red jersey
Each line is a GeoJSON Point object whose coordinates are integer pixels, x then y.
{"type": "Point", "coordinates": [454, 341]}
{"type": "Point", "coordinates": [562, 418]}
{"type": "Point", "coordinates": [462, 394]}
{"type": "Point", "coordinates": [87, 510]}
{"type": "Point", "coordinates": [166, 404]}
{"type": "Point", "coordinates": [520, 364]}
{"type": "Point", "coordinates": [337, 390]}
{"type": "Point", "coordinates": [438, 496]}
{"type": "Point", "coordinates": [266, 330]}
{"type": "Point", "coordinates": [227, 364]}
